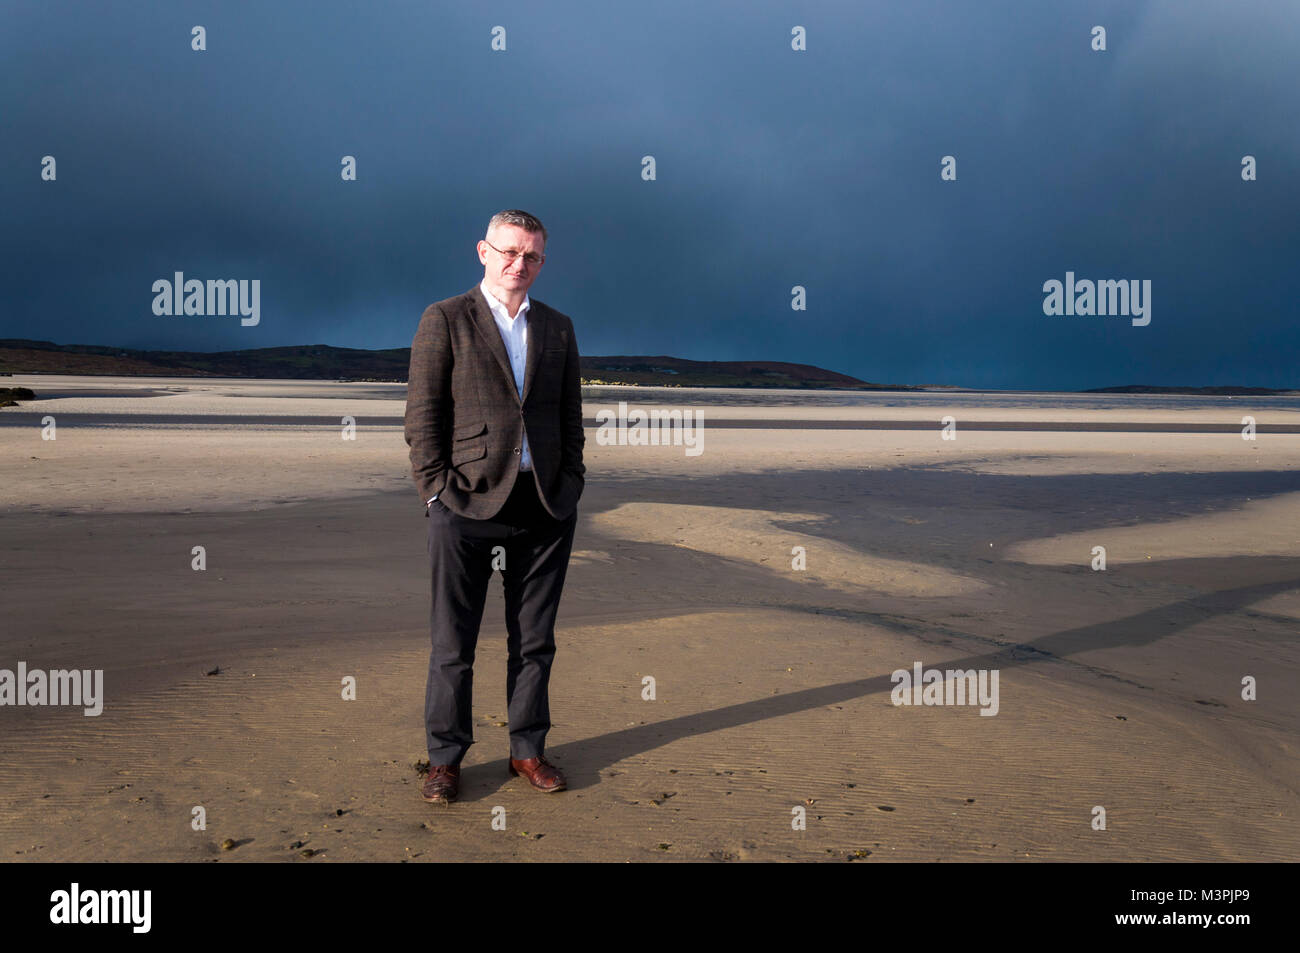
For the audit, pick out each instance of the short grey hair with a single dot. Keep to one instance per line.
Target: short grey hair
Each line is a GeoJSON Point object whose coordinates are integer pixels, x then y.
{"type": "Point", "coordinates": [514, 216]}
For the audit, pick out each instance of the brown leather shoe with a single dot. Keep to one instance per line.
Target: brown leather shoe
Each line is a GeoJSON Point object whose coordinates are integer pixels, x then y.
{"type": "Point", "coordinates": [540, 773]}
{"type": "Point", "coordinates": [442, 784]}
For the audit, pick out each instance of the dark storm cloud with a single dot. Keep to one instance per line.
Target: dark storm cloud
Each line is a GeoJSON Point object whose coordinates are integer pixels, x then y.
{"type": "Point", "coordinates": [775, 168]}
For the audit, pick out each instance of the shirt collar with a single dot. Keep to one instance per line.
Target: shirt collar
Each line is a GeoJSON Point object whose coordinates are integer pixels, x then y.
{"type": "Point", "coordinates": [499, 307]}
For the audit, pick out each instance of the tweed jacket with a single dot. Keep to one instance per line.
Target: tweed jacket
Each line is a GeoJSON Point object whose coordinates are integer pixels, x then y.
{"type": "Point", "coordinates": [465, 418]}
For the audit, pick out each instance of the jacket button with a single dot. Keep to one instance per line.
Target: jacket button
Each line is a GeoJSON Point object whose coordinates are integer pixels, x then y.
{"type": "Point", "coordinates": [516, 449]}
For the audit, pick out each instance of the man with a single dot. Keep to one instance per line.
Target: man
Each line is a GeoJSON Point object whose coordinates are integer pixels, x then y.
{"type": "Point", "coordinates": [494, 423]}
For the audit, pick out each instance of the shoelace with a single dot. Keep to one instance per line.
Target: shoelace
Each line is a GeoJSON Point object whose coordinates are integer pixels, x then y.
{"type": "Point", "coordinates": [543, 763]}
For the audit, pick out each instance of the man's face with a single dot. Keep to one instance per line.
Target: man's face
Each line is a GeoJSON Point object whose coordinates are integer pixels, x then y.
{"type": "Point", "coordinates": [515, 275]}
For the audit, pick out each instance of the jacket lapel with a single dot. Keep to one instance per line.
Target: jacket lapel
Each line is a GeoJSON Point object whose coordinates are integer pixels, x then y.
{"type": "Point", "coordinates": [491, 335]}
{"type": "Point", "coordinates": [487, 330]}
{"type": "Point", "coordinates": [536, 338]}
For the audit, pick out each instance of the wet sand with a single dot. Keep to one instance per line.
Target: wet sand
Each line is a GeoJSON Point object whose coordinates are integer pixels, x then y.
{"type": "Point", "coordinates": [1118, 688]}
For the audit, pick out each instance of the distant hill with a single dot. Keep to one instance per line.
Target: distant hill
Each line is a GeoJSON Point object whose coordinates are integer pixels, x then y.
{"type": "Point", "coordinates": [322, 362]}
{"type": "Point", "coordinates": [1224, 391]}
{"type": "Point", "coordinates": [667, 371]}
{"type": "Point", "coordinates": [309, 362]}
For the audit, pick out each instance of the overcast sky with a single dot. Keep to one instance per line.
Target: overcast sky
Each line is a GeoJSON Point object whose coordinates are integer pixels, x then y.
{"type": "Point", "coordinates": [775, 168]}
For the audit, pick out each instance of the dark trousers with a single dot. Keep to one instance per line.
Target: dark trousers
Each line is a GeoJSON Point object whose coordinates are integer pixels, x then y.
{"type": "Point", "coordinates": [531, 548]}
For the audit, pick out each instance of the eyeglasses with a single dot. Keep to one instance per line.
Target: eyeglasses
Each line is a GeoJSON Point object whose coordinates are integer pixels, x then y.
{"type": "Point", "coordinates": [512, 253]}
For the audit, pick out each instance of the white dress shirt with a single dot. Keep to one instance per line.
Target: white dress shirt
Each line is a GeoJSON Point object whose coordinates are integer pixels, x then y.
{"type": "Point", "coordinates": [514, 334]}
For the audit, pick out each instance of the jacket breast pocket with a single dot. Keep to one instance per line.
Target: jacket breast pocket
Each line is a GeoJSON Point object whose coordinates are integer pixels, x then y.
{"type": "Point", "coordinates": [552, 368]}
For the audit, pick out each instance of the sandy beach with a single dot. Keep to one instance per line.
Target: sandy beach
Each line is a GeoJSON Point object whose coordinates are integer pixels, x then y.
{"type": "Point", "coordinates": [1119, 689]}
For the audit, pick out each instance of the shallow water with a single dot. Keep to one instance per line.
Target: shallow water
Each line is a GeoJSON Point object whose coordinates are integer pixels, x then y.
{"type": "Point", "coordinates": [695, 396]}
